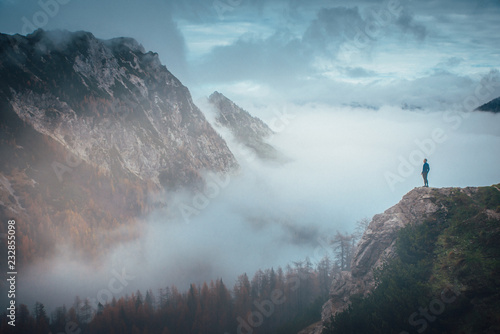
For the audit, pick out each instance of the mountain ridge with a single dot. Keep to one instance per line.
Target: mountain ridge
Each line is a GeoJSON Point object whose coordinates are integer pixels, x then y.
{"type": "Point", "coordinates": [90, 130]}
{"type": "Point", "coordinates": [110, 88]}
{"type": "Point", "coordinates": [492, 106]}
{"type": "Point", "coordinates": [249, 131]}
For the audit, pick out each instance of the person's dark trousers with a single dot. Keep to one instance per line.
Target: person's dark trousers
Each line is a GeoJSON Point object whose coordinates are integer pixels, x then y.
{"type": "Point", "coordinates": [426, 183]}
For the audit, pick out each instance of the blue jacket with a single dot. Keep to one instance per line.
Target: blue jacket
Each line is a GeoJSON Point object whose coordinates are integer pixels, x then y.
{"type": "Point", "coordinates": [426, 168]}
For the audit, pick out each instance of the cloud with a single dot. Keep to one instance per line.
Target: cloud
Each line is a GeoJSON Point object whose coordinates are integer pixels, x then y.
{"type": "Point", "coordinates": [203, 12]}
{"type": "Point", "coordinates": [331, 28]}
{"type": "Point", "coordinates": [408, 25]}
{"type": "Point", "coordinates": [289, 45]}
{"type": "Point", "coordinates": [282, 57]}
{"type": "Point", "coordinates": [275, 59]}
{"type": "Point", "coordinates": [7, 2]}
{"type": "Point", "coordinates": [195, 11]}
{"type": "Point", "coordinates": [269, 215]}
{"type": "Point", "coordinates": [285, 59]}
{"type": "Point", "coordinates": [451, 62]}
{"type": "Point", "coordinates": [357, 72]}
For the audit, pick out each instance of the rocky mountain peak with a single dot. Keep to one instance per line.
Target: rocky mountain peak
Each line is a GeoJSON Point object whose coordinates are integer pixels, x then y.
{"type": "Point", "coordinates": [237, 119]}
{"type": "Point", "coordinates": [247, 130]}
{"type": "Point", "coordinates": [92, 130]}
{"type": "Point", "coordinates": [492, 106]}
{"type": "Point", "coordinates": [110, 104]}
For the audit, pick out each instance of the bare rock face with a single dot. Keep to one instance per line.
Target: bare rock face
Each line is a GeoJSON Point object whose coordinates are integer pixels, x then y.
{"type": "Point", "coordinates": [89, 129]}
{"type": "Point", "coordinates": [111, 104]}
{"type": "Point", "coordinates": [492, 106]}
{"type": "Point", "coordinates": [378, 245]}
{"type": "Point", "coordinates": [247, 130]}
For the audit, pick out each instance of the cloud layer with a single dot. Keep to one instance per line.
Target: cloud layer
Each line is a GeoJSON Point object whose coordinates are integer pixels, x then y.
{"type": "Point", "coordinates": [268, 215]}
{"type": "Point", "coordinates": [282, 45]}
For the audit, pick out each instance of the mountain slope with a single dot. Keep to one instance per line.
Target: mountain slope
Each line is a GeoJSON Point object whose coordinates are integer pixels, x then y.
{"type": "Point", "coordinates": [246, 129]}
{"type": "Point", "coordinates": [434, 241]}
{"type": "Point", "coordinates": [89, 128]}
{"type": "Point", "coordinates": [492, 106]}
{"type": "Point", "coordinates": [109, 103]}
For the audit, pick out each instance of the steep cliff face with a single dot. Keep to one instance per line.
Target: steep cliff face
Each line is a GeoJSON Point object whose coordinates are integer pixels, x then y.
{"type": "Point", "coordinates": [378, 243]}
{"type": "Point", "coordinates": [88, 129]}
{"type": "Point", "coordinates": [111, 104]}
{"type": "Point", "coordinates": [248, 130]}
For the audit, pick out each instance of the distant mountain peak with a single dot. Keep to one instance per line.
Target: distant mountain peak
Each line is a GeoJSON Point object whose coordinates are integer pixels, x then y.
{"type": "Point", "coordinates": [492, 106]}
{"type": "Point", "coordinates": [228, 111]}
{"type": "Point", "coordinates": [109, 95]}
{"type": "Point", "coordinates": [125, 42]}
{"type": "Point", "coordinates": [246, 129]}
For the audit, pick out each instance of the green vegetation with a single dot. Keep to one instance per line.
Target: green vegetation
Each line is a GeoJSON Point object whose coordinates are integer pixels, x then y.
{"type": "Point", "coordinates": [446, 278]}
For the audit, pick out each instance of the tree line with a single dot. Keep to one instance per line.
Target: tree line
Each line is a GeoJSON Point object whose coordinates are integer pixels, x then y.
{"type": "Point", "coordinates": [271, 301]}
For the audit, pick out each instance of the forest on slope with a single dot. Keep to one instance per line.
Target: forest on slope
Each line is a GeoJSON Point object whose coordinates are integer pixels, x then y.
{"type": "Point", "coordinates": [272, 301]}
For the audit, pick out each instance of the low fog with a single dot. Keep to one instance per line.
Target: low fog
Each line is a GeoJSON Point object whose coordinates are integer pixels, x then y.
{"type": "Point", "coordinates": [350, 156]}
{"type": "Point", "coordinates": [345, 164]}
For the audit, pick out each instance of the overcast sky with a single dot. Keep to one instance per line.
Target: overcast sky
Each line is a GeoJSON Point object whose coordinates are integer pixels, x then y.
{"type": "Point", "coordinates": [336, 51]}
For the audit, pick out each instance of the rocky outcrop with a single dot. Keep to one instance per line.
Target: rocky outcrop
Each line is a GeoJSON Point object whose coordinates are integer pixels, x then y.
{"type": "Point", "coordinates": [378, 245]}
{"type": "Point", "coordinates": [247, 130]}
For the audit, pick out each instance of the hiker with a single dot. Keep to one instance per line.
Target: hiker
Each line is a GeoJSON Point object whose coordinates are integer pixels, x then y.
{"type": "Point", "coordinates": [425, 171]}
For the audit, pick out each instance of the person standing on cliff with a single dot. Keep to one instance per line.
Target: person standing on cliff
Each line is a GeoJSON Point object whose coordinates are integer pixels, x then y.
{"type": "Point", "coordinates": [425, 171]}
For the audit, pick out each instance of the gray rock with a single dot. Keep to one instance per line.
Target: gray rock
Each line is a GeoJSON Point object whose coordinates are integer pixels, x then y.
{"type": "Point", "coordinates": [377, 245]}
{"type": "Point", "coordinates": [111, 105]}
